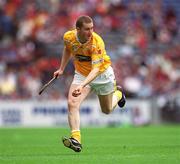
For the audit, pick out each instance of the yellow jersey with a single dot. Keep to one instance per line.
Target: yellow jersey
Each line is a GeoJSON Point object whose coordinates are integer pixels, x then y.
{"type": "Point", "coordinates": [88, 55]}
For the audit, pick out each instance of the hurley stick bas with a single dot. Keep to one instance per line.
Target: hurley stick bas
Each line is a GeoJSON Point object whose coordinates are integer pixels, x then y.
{"type": "Point", "coordinates": [47, 84]}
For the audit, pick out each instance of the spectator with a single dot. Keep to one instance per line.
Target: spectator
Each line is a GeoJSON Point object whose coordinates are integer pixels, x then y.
{"type": "Point", "coordinates": [143, 44]}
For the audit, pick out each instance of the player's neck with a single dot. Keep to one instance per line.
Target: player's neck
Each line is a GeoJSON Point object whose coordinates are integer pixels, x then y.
{"type": "Point", "coordinates": [80, 39]}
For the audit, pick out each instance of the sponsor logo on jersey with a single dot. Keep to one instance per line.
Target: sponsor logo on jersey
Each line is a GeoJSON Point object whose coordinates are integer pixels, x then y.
{"type": "Point", "coordinates": [97, 61]}
{"type": "Point", "coordinates": [82, 58]}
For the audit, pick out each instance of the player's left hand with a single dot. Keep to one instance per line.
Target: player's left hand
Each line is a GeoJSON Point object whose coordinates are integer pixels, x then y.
{"type": "Point", "coordinates": [77, 91]}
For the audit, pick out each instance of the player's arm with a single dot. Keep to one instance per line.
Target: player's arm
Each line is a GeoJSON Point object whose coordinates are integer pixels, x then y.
{"type": "Point", "coordinates": [97, 60]}
{"type": "Point", "coordinates": [64, 61]}
{"type": "Point", "coordinates": [91, 76]}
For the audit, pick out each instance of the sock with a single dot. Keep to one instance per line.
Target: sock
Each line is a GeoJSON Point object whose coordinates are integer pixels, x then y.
{"type": "Point", "coordinates": [76, 135]}
{"type": "Point", "coordinates": [118, 94]}
{"type": "Point", "coordinates": [116, 97]}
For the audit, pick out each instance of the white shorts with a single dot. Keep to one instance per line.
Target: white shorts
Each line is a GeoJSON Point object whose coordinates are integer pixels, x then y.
{"type": "Point", "coordinates": [103, 84]}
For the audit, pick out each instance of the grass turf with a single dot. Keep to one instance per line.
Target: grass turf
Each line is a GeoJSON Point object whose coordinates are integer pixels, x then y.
{"type": "Point", "coordinates": [129, 145]}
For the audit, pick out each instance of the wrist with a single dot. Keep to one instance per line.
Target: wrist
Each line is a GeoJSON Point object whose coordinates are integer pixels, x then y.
{"type": "Point", "coordinates": [82, 85]}
{"type": "Point", "coordinates": [61, 70]}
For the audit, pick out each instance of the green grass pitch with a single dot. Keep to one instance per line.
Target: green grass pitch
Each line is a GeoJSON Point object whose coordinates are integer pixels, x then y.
{"type": "Point", "coordinates": [118, 145]}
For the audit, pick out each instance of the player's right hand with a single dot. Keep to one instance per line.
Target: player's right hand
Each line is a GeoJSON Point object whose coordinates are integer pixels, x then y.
{"type": "Point", "coordinates": [58, 73]}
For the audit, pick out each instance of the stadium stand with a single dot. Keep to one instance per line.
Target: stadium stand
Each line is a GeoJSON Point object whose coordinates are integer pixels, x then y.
{"type": "Point", "coordinates": [143, 45]}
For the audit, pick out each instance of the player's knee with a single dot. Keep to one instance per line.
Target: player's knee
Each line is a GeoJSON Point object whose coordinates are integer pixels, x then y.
{"type": "Point", "coordinates": [106, 110]}
{"type": "Point", "coordinates": [72, 103]}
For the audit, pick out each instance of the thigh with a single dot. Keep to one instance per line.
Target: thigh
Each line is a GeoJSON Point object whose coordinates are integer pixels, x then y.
{"type": "Point", "coordinates": [77, 80]}
{"type": "Point", "coordinates": [77, 100]}
{"type": "Point", "coordinates": [104, 84]}
{"type": "Point", "coordinates": [103, 89]}
{"type": "Point", "coordinates": [105, 102]}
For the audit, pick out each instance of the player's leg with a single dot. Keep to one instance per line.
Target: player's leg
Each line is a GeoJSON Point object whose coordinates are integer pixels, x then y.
{"type": "Point", "coordinates": [74, 142]}
{"type": "Point", "coordinates": [108, 93]}
{"type": "Point", "coordinates": [106, 103]}
{"type": "Point", "coordinates": [109, 102]}
{"type": "Point", "coordinates": [73, 108]}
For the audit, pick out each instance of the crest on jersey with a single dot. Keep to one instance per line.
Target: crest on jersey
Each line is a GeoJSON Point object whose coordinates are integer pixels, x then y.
{"type": "Point", "coordinates": [75, 47]}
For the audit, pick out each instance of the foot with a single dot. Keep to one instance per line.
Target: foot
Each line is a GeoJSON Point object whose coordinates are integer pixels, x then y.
{"type": "Point", "coordinates": [122, 101]}
{"type": "Point", "coordinates": [72, 144]}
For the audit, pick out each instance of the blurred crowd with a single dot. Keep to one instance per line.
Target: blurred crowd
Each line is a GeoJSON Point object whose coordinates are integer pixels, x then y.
{"type": "Point", "coordinates": [142, 38]}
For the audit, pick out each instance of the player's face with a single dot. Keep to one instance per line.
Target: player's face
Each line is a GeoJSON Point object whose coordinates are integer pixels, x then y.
{"type": "Point", "coordinates": [85, 32]}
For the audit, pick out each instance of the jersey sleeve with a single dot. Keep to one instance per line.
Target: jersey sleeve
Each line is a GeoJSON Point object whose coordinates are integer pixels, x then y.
{"type": "Point", "coordinates": [98, 54]}
{"type": "Point", "coordinates": [67, 40]}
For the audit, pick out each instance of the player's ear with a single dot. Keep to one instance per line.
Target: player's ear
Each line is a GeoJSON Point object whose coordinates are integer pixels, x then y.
{"type": "Point", "coordinates": [77, 28]}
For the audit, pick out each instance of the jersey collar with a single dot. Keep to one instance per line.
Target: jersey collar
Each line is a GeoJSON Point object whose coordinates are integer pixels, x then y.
{"type": "Point", "coordinates": [79, 40]}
